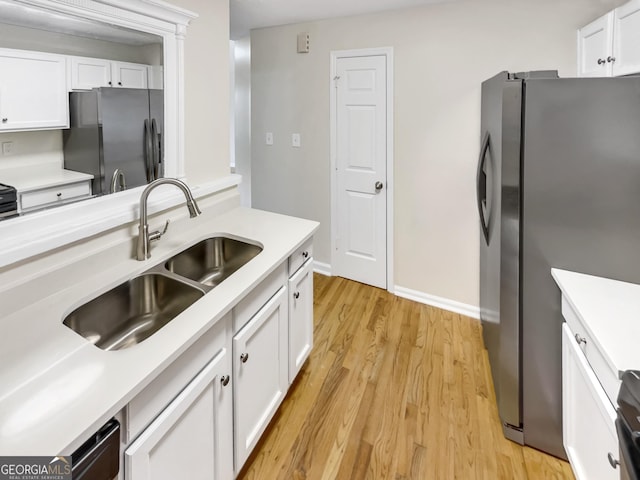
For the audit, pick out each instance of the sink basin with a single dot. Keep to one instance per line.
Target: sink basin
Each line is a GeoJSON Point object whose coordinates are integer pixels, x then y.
{"type": "Point", "coordinates": [212, 260]}
{"type": "Point", "coordinates": [133, 311]}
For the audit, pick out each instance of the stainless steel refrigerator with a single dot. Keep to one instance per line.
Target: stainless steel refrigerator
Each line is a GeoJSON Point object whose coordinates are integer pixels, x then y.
{"type": "Point", "coordinates": [115, 134]}
{"type": "Point", "coordinates": [558, 185]}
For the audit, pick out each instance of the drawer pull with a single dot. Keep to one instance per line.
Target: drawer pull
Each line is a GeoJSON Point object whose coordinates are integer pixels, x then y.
{"type": "Point", "coordinates": [612, 461]}
{"type": "Point", "coordinates": [580, 339]}
{"type": "Point", "coordinates": [224, 380]}
{"type": "Point", "coordinates": [59, 194]}
{"type": "Point", "coordinates": [305, 254]}
{"type": "Point", "coordinates": [244, 357]}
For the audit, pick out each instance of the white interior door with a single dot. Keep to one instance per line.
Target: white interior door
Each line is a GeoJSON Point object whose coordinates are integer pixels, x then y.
{"type": "Point", "coordinates": [361, 177]}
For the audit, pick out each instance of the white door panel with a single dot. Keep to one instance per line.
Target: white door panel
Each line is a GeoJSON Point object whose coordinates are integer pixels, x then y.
{"type": "Point", "coordinates": [361, 149]}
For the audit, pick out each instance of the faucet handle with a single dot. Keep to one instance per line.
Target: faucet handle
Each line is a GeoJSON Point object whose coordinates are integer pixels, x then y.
{"type": "Point", "coordinates": [153, 236]}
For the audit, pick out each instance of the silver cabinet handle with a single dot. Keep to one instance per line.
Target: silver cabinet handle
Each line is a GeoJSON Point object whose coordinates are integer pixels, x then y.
{"type": "Point", "coordinates": [305, 254]}
{"type": "Point", "coordinates": [5, 120]}
{"type": "Point", "coordinates": [580, 339]}
{"type": "Point", "coordinates": [612, 461]}
{"type": "Point", "coordinates": [601, 61]}
{"type": "Point", "coordinates": [611, 59]}
{"type": "Point", "coordinates": [244, 357]}
{"type": "Point", "coordinates": [379, 186]}
{"type": "Point", "coordinates": [59, 194]}
{"type": "Point", "coordinates": [224, 380]}
{"type": "Point", "coordinates": [296, 295]}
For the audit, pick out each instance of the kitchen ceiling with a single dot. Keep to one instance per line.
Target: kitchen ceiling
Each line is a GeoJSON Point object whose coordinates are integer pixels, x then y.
{"type": "Point", "coordinates": [249, 14]}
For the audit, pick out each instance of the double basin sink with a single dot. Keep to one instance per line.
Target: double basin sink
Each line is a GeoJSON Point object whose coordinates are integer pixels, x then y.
{"type": "Point", "coordinates": [134, 310]}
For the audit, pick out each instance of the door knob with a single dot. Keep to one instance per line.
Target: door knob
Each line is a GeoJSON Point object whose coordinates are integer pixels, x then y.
{"type": "Point", "coordinates": [224, 380]}
{"type": "Point", "coordinates": [379, 186]}
{"type": "Point", "coordinates": [244, 357]}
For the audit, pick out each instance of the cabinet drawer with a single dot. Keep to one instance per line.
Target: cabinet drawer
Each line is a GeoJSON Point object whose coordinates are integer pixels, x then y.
{"type": "Point", "coordinates": [53, 195]}
{"type": "Point", "coordinates": [607, 377]}
{"type": "Point", "coordinates": [260, 295]}
{"type": "Point", "coordinates": [144, 408]}
{"type": "Point", "coordinates": [297, 258]}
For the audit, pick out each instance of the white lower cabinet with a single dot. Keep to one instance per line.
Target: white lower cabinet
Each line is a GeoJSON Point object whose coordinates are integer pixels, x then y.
{"type": "Point", "coordinates": [588, 419]}
{"type": "Point", "coordinates": [208, 428]}
{"type": "Point", "coordinates": [260, 373]}
{"type": "Point", "coordinates": [193, 436]}
{"type": "Point", "coordinates": [300, 318]}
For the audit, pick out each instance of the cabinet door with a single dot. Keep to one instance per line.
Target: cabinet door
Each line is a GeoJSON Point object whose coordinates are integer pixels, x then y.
{"type": "Point", "coordinates": [129, 75]}
{"type": "Point", "coordinates": [594, 47]}
{"type": "Point", "coordinates": [626, 40]}
{"type": "Point", "coordinates": [588, 417]}
{"type": "Point", "coordinates": [88, 73]}
{"type": "Point", "coordinates": [300, 318]}
{"type": "Point", "coordinates": [260, 373]}
{"type": "Point", "coordinates": [192, 437]}
{"type": "Point", "coordinates": [33, 91]}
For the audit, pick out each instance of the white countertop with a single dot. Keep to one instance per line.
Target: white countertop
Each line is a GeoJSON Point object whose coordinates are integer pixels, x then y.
{"type": "Point", "coordinates": [28, 179]}
{"type": "Point", "coordinates": [56, 387]}
{"type": "Point", "coordinates": [610, 311]}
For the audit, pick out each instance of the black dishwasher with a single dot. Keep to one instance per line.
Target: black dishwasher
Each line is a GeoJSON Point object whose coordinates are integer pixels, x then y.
{"type": "Point", "coordinates": [99, 457]}
{"type": "Point", "coordinates": [628, 425]}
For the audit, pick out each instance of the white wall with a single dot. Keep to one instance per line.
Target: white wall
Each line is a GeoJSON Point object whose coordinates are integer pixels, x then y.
{"type": "Point", "coordinates": [442, 54]}
{"type": "Point", "coordinates": [242, 107]}
{"type": "Point", "coordinates": [207, 90]}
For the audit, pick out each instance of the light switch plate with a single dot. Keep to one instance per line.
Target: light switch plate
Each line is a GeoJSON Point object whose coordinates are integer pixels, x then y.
{"type": "Point", "coordinates": [7, 148]}
{"type": "Point", "coordinates": [295, 140]}
{"type": "Point", "coordinates": [268, 138]}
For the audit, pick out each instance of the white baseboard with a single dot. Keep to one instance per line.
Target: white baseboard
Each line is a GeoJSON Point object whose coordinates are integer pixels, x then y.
{"type": "Point", "coordinates": [438, 302]}
{"type": "Point", "coordinates": [322, 268]}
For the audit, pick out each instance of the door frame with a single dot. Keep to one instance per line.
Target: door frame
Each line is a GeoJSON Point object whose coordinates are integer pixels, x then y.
{"type": "Point", "coordinates": [363, 52]}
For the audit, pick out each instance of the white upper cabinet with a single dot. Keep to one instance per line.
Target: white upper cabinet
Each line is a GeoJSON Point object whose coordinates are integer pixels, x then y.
{"type": "Point", "coordinates": [129, 75]}
{"type": "Point", "coordinates": [626, 39]}
{"type": "Point", "coordinates": [594, 47]}
{"type": "Point", "coordinates": [610, 45]}
{"type": "Point", "coordinates": [88, 73]}
{"type": "Point", "coordinates": [33, 88]}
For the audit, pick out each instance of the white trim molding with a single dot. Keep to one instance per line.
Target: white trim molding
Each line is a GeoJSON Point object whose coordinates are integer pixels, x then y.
{"type": "Point", "coordinates": [365, 52]}
{"type": "Point", "coordinates": [322, 268]}
{"type": "Point", "coordinates": [439, 302]}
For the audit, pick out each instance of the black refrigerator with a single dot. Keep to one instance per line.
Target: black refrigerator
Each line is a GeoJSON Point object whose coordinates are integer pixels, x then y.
{"type": "Point", "coordinates": [115, 134]}
{"type": "Point", "coordinates": [558, 185]}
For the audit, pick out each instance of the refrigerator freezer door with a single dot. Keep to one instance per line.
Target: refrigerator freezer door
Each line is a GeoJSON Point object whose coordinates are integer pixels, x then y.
{"type": "Point", "coordinates": [510, 362]}
{"type": "Point", "coordinates": [500, 125]}
{"type": "Point", "coordinates": [581, 191]}
{"type": "Point", "coordinates": [122, 112]}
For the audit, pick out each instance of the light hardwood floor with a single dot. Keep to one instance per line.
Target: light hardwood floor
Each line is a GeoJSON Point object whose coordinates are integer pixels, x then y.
{"type": "Point", "coordinates": [393, 389]}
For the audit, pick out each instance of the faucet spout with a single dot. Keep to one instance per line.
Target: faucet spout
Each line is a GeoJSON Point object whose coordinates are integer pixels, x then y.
{"type": "Point", "coordinates": [144, 237]}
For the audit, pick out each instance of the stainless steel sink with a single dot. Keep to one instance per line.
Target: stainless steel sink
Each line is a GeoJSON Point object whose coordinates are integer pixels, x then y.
{"type": "Point", "coordinates": [132, 311]}
{"type": "Point", "coordinates": [212, 260]}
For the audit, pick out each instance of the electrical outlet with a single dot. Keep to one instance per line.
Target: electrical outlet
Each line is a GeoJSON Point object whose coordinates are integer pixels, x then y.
{"type": "Point", "coordinates": [7, 148]}
{"type": "Point", "coordinates": [268, 138]}
{"type": "Point", "coordinates": [295, 140]}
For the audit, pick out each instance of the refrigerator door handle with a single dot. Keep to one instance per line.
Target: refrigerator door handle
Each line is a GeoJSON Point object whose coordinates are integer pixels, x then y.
{"type": "Point", "coordinates": [148, 151]}
{"type": "Point", "coordinates": [481, 187]}
{"type": "Point", "coordinates": [155, 150]}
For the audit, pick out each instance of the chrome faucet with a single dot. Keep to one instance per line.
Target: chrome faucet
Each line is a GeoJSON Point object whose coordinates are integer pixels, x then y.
{"type": "Point", "coordinates": [144, 237]}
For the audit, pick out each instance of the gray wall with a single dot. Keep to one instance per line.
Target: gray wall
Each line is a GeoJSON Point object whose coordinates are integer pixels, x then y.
{"type": "Point", "coordinates": [442, 54]}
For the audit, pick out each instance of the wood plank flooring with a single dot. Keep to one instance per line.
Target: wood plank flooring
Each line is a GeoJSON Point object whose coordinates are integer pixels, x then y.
{"type": "Point", "coordinates": [393, 389]}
